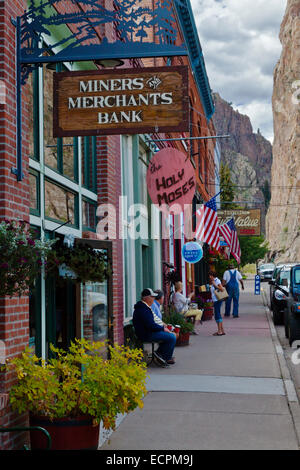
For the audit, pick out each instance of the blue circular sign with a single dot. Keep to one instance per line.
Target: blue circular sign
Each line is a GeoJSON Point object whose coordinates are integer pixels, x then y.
{"type": "Point", "coordinates": [192, 252]}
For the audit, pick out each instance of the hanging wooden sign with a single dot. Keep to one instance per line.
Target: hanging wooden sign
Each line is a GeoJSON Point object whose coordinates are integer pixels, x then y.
{"type": "Point", "coordinates": [127, 101]}
{"type": "Point", "coordinates": [171, 179]}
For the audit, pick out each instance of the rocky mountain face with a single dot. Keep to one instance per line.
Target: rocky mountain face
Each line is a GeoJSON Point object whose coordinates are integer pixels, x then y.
{"type": "Point", "coordinates": [248, 154]}
{"type": "Point", "coordinates": [283, 219]}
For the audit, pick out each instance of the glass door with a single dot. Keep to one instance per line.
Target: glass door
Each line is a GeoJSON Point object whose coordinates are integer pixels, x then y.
{"type": "Point", "coordinates": [96, 303]}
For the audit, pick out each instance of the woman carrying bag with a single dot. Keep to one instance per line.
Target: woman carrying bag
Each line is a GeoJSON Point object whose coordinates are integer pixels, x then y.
{"type": "Point", "coordinates": [217, 290]}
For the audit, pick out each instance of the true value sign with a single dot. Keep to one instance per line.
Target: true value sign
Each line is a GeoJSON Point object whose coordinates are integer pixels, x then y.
{"type": "Point", "coordinates": [129, 101]}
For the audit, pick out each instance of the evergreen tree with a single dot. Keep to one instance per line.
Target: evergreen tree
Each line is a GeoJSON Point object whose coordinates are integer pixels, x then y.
{"type": "Point", "coordinates": [253, 249]}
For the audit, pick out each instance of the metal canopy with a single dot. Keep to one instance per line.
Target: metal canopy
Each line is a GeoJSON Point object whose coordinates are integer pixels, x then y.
{"type": "Point", "coordinates": [137, 31]}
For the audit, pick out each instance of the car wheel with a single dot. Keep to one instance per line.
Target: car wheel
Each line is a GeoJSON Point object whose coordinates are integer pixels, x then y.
{"type": "Point", "coordinates": [277, 316]}
{"type": "Point", "coordinates": [294, 328]}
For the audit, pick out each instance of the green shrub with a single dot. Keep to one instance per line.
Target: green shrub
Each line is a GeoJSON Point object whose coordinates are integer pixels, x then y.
{"type": "Point", "coordinates": [79, 382]}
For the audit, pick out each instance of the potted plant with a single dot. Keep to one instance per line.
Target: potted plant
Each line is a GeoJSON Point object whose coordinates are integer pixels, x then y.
{"type": "Point", "coordinates": [208, 310]}
{"type": "Point", "coordinates": [22, 257]}
{"type": "Point", "coordinates": [70, 394]}
{"type": "Point", "coordinates": [186, 327]}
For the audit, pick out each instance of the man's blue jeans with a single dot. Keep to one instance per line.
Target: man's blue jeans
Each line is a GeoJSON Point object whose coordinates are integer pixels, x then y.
{"type": "Point", "coordinates": [233, 295]}
{"type": "Point", "coordinates": [167, 345]}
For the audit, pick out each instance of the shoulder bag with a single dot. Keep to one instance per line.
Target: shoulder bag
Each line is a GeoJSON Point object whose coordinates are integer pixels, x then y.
{"type": "Point", "coordinates": [221, 295]}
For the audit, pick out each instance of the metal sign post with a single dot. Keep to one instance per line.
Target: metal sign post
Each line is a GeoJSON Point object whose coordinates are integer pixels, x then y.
{"type": "Point", "coordinates": [257, 285]}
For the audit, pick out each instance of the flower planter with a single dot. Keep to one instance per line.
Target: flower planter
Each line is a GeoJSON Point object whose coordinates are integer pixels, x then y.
{"type": "Point", "coordinates": [183, 339]}
{"type": "Point", "coordinates": [208, 313]}
{"type": "Point", "coordinates": [66, 433]}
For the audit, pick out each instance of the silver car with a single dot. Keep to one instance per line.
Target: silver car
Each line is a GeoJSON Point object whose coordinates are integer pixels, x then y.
{"type": "Point", "coordinates": [265, 271]}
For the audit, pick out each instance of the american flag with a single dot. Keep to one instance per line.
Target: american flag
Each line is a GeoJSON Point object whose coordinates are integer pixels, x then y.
{"type": "Point", "coordinates": [207, 228]}
{"type": "Point", "coordinates": [234, 245]}
{"type": "Point", "coordinates": [225, 232]}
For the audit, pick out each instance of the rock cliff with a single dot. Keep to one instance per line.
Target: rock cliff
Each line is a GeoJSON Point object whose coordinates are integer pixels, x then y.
{"type": "Point", "coordinates": [283, 220]}
{"type": "Point", "coordinates": [248, 154]}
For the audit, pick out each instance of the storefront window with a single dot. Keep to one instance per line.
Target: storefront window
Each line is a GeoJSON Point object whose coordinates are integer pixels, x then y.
{"type": "Point", "coordinates": [95, 311]}
{"type": "Point", "coordinates": [33, 115]}
{"type": "Point", "coordinates": [60, 204]}
{"type": "Point", "coordinates": [35, 311]}
{"type": "Point", "coordinates": [60, 154]}
{"type": "Point", "coordinates": [88, 215]}
{"type": "Point", "coordinates": [34, 192]}
{"type": "Point", "coordinates": [88, 169]}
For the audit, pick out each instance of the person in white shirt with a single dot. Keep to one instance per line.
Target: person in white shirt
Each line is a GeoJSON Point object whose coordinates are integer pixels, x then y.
{"type": "Point", "coordinates": [231, 279]}
{"type": "Point", "coordinates": [181, 305]}
{"type": "Point", "coordinates": [216, 285]}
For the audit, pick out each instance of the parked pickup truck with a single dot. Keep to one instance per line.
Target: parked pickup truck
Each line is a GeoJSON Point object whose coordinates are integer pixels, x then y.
{"type": "Point", "coordinates": [292, 310]}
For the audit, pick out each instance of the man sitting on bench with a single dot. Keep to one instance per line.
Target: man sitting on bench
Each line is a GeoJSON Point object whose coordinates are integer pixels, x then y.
{"type": "Point", "coordinates": [149, 327]}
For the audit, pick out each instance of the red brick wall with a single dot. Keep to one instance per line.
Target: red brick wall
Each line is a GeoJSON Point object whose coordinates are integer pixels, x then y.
{"type": "Point", "coordinates": [109, 190]}
{"type": "Point", "coordinates": [14, 204]}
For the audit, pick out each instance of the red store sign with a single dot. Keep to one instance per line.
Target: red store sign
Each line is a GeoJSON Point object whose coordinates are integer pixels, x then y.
{"type": "Point", "coordinates": [171, 179]}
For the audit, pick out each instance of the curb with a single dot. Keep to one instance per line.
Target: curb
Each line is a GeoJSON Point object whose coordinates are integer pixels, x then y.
{"type": "Point", "coordinates": [291, 394]}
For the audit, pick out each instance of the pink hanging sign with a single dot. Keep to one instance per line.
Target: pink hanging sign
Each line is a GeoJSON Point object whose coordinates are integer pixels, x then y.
{"type": "Point", "coordinates": [171, 179]}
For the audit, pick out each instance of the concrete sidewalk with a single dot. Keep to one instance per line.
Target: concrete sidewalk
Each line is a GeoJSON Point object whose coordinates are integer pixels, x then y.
{"type": "Point", "coordinates": [223, 392]}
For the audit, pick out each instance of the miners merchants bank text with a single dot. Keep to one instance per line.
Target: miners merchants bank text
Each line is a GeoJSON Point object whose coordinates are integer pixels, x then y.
{"type": "Point", "coordinates": [118, 100]}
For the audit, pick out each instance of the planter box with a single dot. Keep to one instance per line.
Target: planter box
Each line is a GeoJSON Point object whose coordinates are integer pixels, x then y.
{"type": "Point", "coordinates": [183, 339]}
{"type": "Point", "coordinates": [208, 314]}
{"type": "Point", "coordinates": [65, 433]}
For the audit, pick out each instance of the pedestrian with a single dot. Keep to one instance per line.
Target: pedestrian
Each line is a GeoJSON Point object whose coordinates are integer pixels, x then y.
{"type": "Point", "coordinates": [216, 285]}
{"type": "Point", "coordinates": [158, 302]}
{"type": "Point", "coordinates": [231, 279]}
{"type": "Point", "coordinates": [149, 327]}
{"type": "Point", "coordinates": [181, 305]}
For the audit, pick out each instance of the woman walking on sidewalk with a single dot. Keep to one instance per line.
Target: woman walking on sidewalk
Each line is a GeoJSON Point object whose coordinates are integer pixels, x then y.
{"type": "Point", "coordinates": [216, 284]}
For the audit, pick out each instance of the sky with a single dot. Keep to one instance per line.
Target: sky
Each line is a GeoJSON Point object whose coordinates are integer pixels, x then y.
{"type": "Point", "coordinates": [240, 42]}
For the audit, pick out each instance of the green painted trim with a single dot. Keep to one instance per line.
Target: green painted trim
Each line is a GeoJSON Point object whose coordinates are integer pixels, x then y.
{"type": "Point", "coordinates": [137, 192]}
{"type": "Point", "coordinates": [86, 162]}
{"type": "Point", "coordinates": [36, 115]}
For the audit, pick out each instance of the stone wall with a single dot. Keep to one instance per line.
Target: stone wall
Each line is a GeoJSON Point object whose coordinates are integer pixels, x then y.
{"type": "Point", "coordinates": [283, 221]}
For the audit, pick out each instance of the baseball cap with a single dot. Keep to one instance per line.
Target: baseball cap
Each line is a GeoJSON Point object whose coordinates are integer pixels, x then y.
{"type": "Point", "coordinates": [148, 293]}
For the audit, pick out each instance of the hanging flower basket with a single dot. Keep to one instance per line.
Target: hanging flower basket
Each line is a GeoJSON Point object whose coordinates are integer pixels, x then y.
{"type": "Point", "coordinates": [78, 263]}
{"type": "Point", "coordinates": [21, 257]}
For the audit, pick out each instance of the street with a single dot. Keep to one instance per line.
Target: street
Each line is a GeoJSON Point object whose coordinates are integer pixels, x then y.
{"type": "Point", "coordinates": [230, 392]}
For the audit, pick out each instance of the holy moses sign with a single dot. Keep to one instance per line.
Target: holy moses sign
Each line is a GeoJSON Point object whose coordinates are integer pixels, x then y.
{"type": "Point", "coordinates": [129, 101]}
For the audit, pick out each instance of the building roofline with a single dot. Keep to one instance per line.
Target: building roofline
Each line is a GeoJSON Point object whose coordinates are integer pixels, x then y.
{"type": "Point", "coordinates": [191, 38]}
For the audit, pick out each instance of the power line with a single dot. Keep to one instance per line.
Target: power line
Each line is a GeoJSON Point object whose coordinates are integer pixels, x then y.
{"type": "Point", "coordinates": [259, 187]}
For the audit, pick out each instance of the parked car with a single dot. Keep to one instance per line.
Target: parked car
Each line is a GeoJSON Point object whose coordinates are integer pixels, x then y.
{"type": "Point", "coordinates": [272, 283]}
{"type": "Point", "coordinates": [265, 271]}
{"type": "Point", "coordinates": [292, 310]}
{"type": "Point", "coordinates": [280, 293]}
{"type": "Point", "coordinates": [274, 276]}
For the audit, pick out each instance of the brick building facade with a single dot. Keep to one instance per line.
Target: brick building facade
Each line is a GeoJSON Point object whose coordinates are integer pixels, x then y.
{"type": "Point", "coordinates": [86, 172]}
